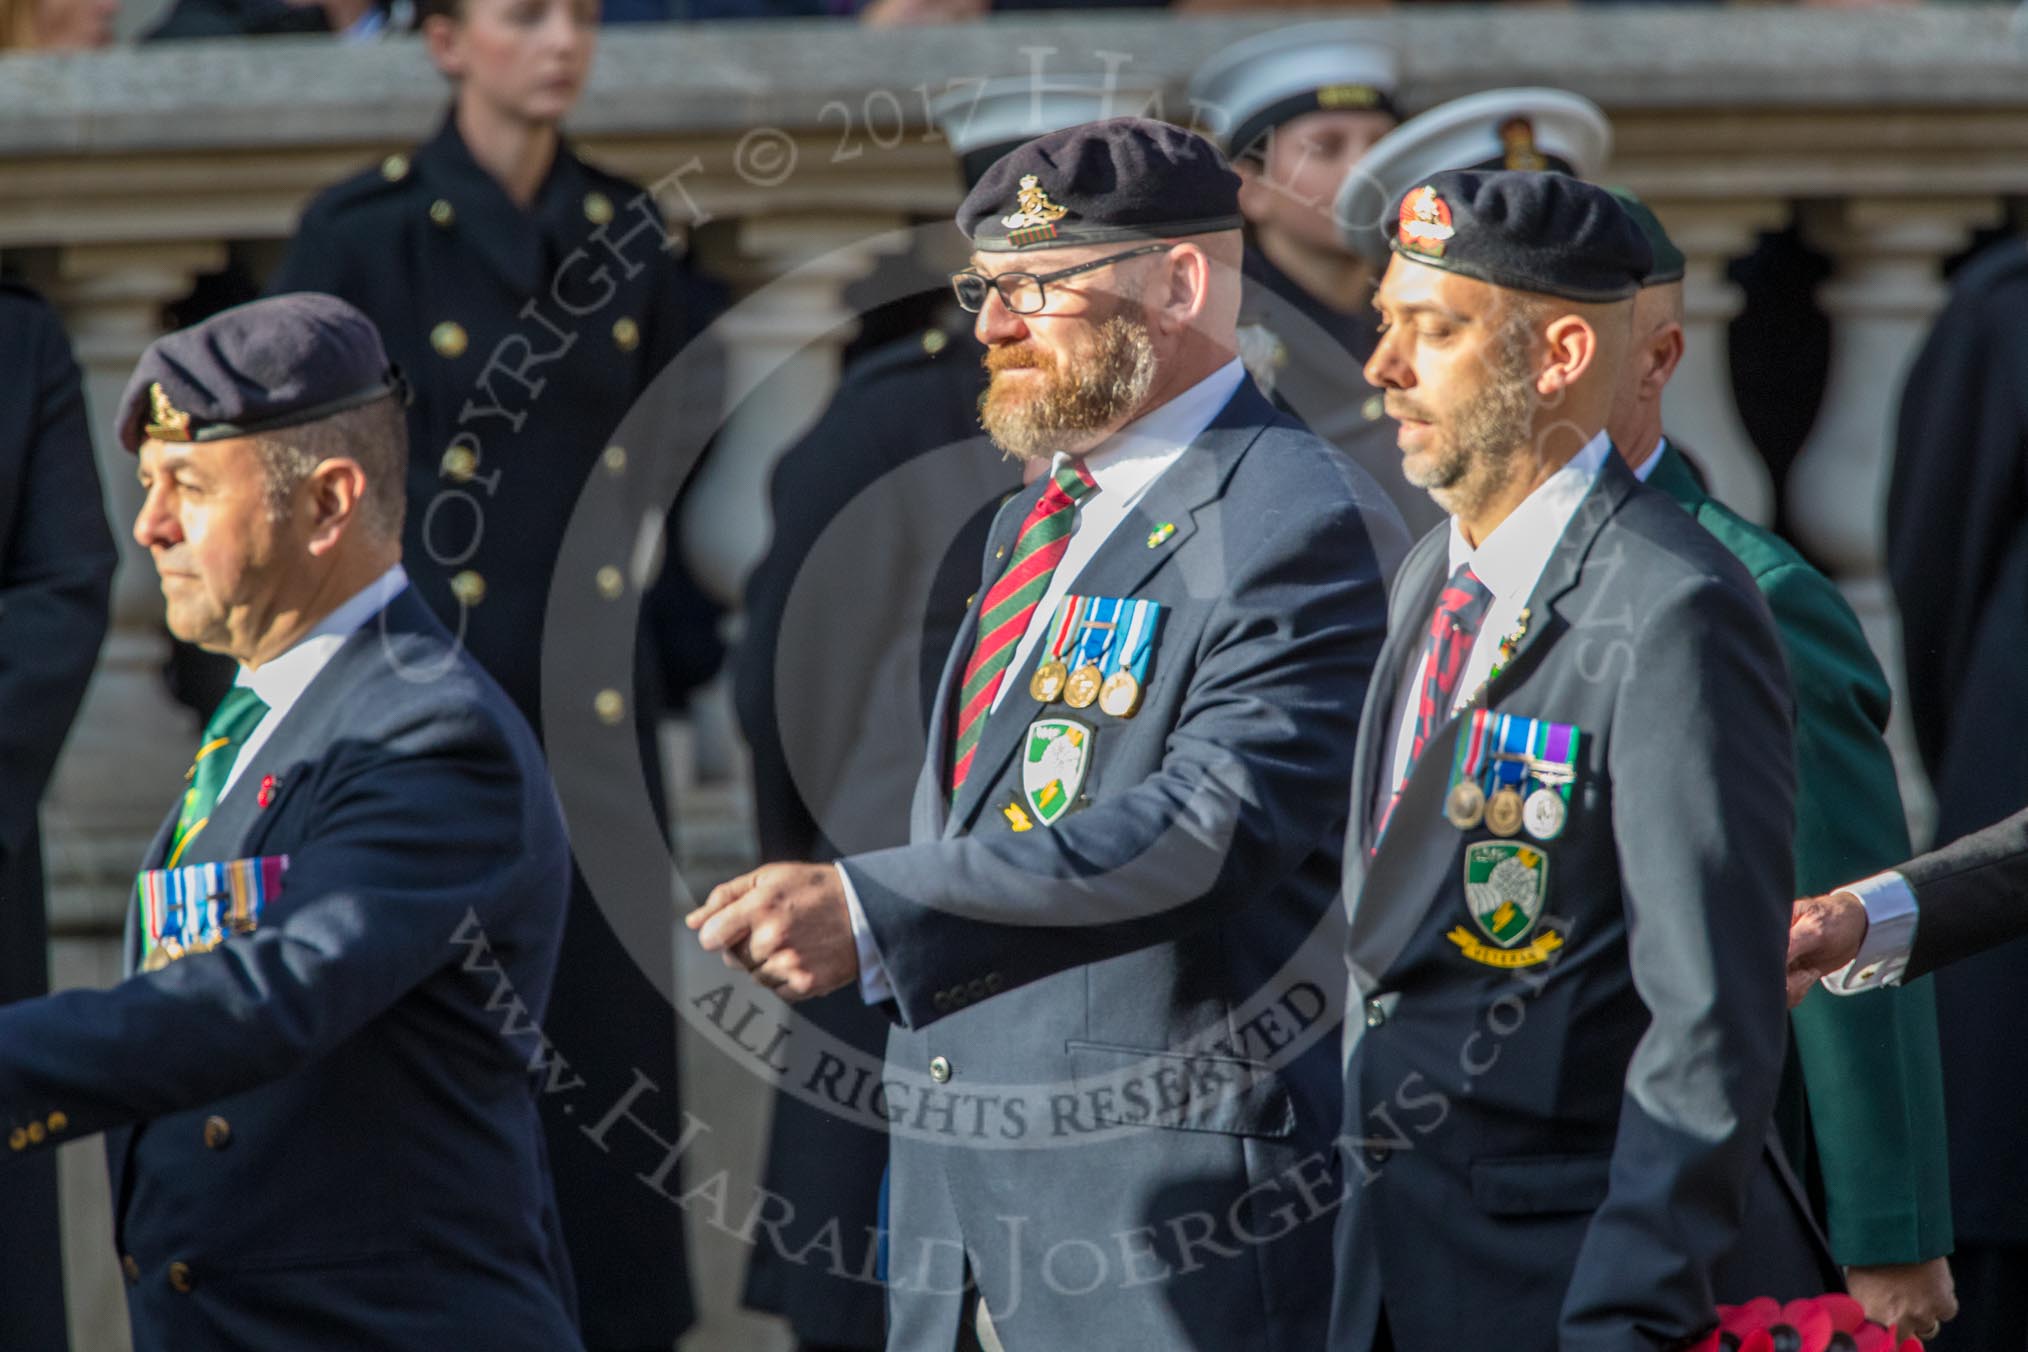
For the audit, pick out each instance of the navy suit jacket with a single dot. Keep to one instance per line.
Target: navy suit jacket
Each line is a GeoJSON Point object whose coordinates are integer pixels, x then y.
{"type": "Point", "coordinates": [1576, 1153]}
{"type": "Point", "coordinates": [1126, 1016]}
{"type": "Point", "coordinates": [324, 1132]}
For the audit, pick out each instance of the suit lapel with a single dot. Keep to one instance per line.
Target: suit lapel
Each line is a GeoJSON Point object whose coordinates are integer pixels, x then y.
{"type": "Point", "coordinates": [1120, 567]}
{"type": "Point", "coordinates": [1416, 594]}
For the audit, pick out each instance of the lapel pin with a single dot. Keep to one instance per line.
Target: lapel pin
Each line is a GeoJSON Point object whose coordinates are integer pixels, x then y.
{"type": "Point", "coordinates": [1161, 533]}
{"type": "Point", "coordinates": [267, 793]}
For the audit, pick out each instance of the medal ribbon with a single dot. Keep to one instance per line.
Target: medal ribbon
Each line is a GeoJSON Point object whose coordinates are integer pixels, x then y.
{"type": "Point", "coordinates": [1093, 642]}
{"type": "Point", "coordinates": [1135, 649]}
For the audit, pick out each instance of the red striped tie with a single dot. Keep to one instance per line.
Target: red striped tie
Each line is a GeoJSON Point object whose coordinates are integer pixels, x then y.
{"type": "Point", "coordinates": [1011, 603]}
{"type": "Point", "coordinates": [1453, 630]}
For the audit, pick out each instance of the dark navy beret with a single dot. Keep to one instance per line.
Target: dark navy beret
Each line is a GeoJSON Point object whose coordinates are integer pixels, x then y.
{"type": "Point", "coordinates": [256, 367]}
{"type": "Point", "coordinates": [1668, 258]}
{"type": "Point", "coordinates": [1525, 230]}
{"type": "Point", "coordinates": [1124, 178]}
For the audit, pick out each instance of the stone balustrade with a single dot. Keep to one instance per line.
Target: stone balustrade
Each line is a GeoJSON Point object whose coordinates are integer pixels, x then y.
{"type": "Point", "coordinates": [798, 152]}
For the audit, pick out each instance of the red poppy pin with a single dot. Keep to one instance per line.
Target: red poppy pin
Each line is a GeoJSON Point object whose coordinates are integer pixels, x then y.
{"type": "Point", "coordinates": [267, 793]}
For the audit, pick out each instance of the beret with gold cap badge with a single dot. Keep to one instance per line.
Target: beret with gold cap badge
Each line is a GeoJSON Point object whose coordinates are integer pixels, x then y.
{"type": "Point", "coordinates": [1125, 178]}
{"type": "Point", "coordinates": [270, 363]}
{"type": "Point", "coordinates": [1524, 230]}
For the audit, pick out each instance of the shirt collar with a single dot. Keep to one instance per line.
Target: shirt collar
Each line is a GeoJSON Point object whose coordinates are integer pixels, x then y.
{"type": "Point", "coordinates": [1131, 457]}
{"type": "Point", "coordinates": [1511, 559]}
{"type": "Point", "coordinates": [281, 682]}
{"type": "Point", "coordinates": [1647, 467]}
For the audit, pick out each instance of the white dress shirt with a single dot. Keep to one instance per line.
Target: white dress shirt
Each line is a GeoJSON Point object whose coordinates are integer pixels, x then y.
{"type": "Point", "coordinates": [281, 682]}
{"type": "Point", "coordinates": [1890, 935]}
{"type": "Point", "coordinates": [1509, 562]}
{"type": "Point", "coordinates": [1124, 466]}
{"type": "Point", "coordinates": [1647, 467]}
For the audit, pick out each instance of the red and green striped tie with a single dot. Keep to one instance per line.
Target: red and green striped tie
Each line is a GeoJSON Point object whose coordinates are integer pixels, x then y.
{"type": "Point", "coordinates": [1011, 603]}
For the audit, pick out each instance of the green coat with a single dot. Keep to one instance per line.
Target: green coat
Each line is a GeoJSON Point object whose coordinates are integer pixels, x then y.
{"type": "Point", "coordinates": [1871, 1141]}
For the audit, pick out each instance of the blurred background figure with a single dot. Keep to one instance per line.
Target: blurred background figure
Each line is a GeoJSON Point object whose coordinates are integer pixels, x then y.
{"type": "Point", "coordinates": [56, 25]}
{"type": "Point", "coordinates": [1294, 110]}
{"type": "Point", "coordinates": [350, 20]}
{"type": "Point", "coordinates": [834, 695]}
{"type": "Point", "coordinates": [56, 577]}
{"type": "Point", "coordinates": [530, 297]}
{"type": "Point", "coordinates": [1957, 553]}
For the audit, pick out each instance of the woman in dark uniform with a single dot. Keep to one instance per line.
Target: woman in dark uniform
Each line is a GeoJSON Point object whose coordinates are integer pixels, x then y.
{"type": "Point", "coordinates": [530, 298]}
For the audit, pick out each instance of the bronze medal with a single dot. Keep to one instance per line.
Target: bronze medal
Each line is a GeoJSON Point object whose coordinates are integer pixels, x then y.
{"type": "Point", "coordinates": [1504, 812]}
{"type": "Point", "coordinates": [1047, 682]}
{"type": "Point", "coordinates": [1120, 696]}
{"type": "Point", "coordinates": [1465, 805]}
{"type": "Point", "coordinates": [1082, 689]}
{"type": "Point", "coordinates": [1544, 814]}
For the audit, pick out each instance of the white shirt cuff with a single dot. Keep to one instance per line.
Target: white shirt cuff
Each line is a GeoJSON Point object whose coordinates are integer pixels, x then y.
{"type": "Point", "coordinates": [873, 983]}
{"type": "Point", "coordinates": [1890, 935]}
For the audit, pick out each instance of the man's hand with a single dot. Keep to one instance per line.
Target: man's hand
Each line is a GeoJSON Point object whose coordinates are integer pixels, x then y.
{"type": "Point", "coordinates": [788, 924]}
{"type": "Point", "coordinates": [1824, 934]}
{"type": "Point", "coordinates": [1913, 1299]}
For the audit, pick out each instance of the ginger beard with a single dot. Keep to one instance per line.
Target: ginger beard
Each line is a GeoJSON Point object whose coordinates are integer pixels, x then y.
{"type": "Point", "coordinates": [1470, 457]}
{"type": "Point", "coordinates": [1076, 398]}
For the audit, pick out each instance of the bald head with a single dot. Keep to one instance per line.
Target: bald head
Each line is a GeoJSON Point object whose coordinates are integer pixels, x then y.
{"type": "Point", "coordinates": [1654, 350]}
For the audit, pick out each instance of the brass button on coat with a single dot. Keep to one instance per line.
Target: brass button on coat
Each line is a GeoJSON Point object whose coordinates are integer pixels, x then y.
{"type": "Point", "coordinates": [598, 208]}
{"type": "Point", "coordinates": [469, 587]}
{"type": "Point", "coordinates": [181, 1279]}
{"type": "Point", "coordinates": [626, 334]}
{"type": "Point", "coordinates": [217, 1133]}
{"type": "Point", "coordinates": [611, 584]}
{"type": "Point", "coordinates": [460, 464]}
{"type": "Point", "coordinates": [394, 168]}
{"type": "Point", "coordinates": [449, 339]}
{"type": "Point", "coordinates": [940, 1070]}
{"type": "Point", "coordinates": [610, 706]}
{"type": "Point", "coordinates": [616, 460]}
{"type": "Point", "coordinates": [443, 213]}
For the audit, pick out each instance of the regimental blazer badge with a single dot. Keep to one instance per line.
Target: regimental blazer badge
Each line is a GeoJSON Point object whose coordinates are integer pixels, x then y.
{"type": "Point", "coordinates": [1054, 761]}
{"type": "Point", "coordinates": [1506, 884]}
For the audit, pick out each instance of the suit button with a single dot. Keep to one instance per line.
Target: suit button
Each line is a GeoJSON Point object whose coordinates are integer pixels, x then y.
{"type": "Point", "coordinates": [59, 1121]}
{"type": "Point", "coordinates": [626, 334]}
{"type": "Point", "coordinates": [611, 583]}
{"type": "Point", "coordinates": [940, 1070]}
{"type": "Point", "coordinates": [610, 706]}
{"type": "Point", "coordinates": [460, 464]}
{"type": "Point", "coordinates": [130, 1269]}
{"type": "Point", "coordinates": [17, 1139]}
{"type": "Point", "coordinates": [443, 213]}
{"type": "Point", "coordinates": [1375, 1015]}
{"type": "Point", "coordinates": [217, 1133]}
{"type": "Point", "coordinates": [469, 587]}
{"type": "Point", "coordinates": [598, 208]}
{"type": "Point", "coordinates": [37, 1133]}
{"type": "Point", "coordinates": [450, 339]}
{"type": "Point", "coordinates": [992, 983]}
{"type": "Point", "coordinates": [942, 1000]}
{"type": "Point", "coordinates": [181, 1279]}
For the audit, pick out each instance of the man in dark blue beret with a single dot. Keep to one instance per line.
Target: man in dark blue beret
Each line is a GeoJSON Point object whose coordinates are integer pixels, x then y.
{"type": "Point", "coordinates": [315, 1079]}
{"type": "Point", "coordinates": [1113, 1082]}
{"type": "Point", "coordinates": [1572, 819]}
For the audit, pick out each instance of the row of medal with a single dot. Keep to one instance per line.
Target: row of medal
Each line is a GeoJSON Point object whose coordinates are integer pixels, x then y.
{"type": "Point", "coordinates": [1099, 647]}
{"type": "Point", "coordinates": [1513, 774]}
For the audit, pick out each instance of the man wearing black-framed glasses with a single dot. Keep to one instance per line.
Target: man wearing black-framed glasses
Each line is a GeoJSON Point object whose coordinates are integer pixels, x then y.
{"type": "Point", "coordinates": [1114, 1076]}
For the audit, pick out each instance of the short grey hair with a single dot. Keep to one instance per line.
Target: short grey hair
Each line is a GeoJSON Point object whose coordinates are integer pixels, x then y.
{"type": "Point", "coordinates": [375, 435]}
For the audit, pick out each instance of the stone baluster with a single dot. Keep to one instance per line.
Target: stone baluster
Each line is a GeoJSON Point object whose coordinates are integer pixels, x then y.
{"type": "Point", "coordinates": [1884, 291]}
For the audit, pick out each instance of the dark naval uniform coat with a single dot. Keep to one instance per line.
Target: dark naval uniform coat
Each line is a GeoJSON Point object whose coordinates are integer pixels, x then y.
{"type": "Point", "coordinates": [527, 335]}
{"type": "Point", "coordinates": [847, 621]}
{"type": "Point", "coordinates": [322, 1133]}
{"type": "Point", "coordinates": [56, 575]}
{"type": "Point", "coordinates": [1882, 1172]}
{"type": "Point", "coordinates": [1565, 1153]}
{"type": "Point", "coordinates": [1309, 359]}
{"type": "Point", "coordinates": [1113, 1083]}
{"type": "Point", "coordinates": [1957, 553]}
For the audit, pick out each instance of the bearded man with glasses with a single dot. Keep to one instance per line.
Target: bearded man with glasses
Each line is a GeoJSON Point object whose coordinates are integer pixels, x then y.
{"type": "Point", "coordinates": [1113, 1074]}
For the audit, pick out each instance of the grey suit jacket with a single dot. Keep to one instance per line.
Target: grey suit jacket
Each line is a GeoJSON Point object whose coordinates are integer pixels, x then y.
{"type": "Point", "coordinates": [1560, 1154]}
{"type": "Point", "coordinates": [1972, 895]}
{"type": "Point", "coordinates": [1126, 1019]}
